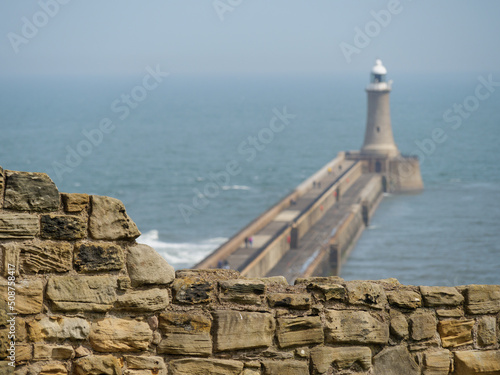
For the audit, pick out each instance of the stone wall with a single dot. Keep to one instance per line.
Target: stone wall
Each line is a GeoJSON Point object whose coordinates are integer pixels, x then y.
{"type": "Point", "coordinates": [89, 300]}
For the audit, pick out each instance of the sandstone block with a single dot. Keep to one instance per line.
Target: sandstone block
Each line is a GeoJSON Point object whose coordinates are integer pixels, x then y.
{"type": "Point", "coordinates": [145, 266]}
{"type": "Point", "coordinates": [120, 335]}
{"type": "Point", "coordinates": [423, 325]}
{"type": "Point", "coordinates": [58, 328]}
{"type": "Point", "coordinates": [156, 365]}
{"type": "Point", "coordinates": [82, 293]}
{"type": "Point", "coordinates": [477, 362]}
{"type": "Point", "coordinates": [325, 289]}
{"type": "Point", "coordinates": [483, 299]}
{"type": "Point", "coordinates": [242, 291]}
{"type": "Point", "coordinates": [437, 362]}
{"type": "Point", "coordinates": [299, 331]}
{"type": "Point", "coordinates": [322, 357]}
{"type": "Point", "coordinates": [44, 256]}
{"type": "Point", "coordinates": [192, 290]}
{"type": "Point", "coordinates": [243, 330]}
{"type": "Point", "coordinates": [29, 295]}
{"type": "Point", "coordinates": [98, 256]}
{"type": "Point", "coordinates": [5, 368]}
{"type": "Point", "coordinates": [23, 352]}
{"type": "Point", "coordinates": [455, 332]}
{"type": "Point", "coordinates": [53, 369]}
{"type": "Point", "coordinates": [143, 300]}
{"type": "Point", "coordinates": [109, 220]}
{"type": "Point", "coordinates": [198, 366]}
{"type": "Point", "coordinates": [441, 296]}
{"type": "Point", "coordinates": [399, 325]}
{"type": "Point", "coordinates": [405, 298]}
{"type": "Point", "coordinates": [290, 301]}
{"type": "Point", "coordinates": [62, 227]}
{"type": "Point", "coordinates": [9, 256]}
{"type": "Point", "coordinates": [18, 226]}
{"type": "Point", "coordinates": [395, 361]}
{"type": "Point", "coordinates": [450, 313]}
{"type": "Point", "coordinates": [355, 327]}
{"type": "Point", "coordinates": [487, 331]}
{"type": "Point", "coordinates": [30, 192]}
{"type": "Point", "coordinates": [74, 202]}
{"type": "Point", "coordinates": [185, 334]}
{"type": "Point", "coordinates": [45, 352]}
{"type": "Point", "coordinates": [98, 365]}
{"type": "Point", "coordinates": [289, 367]}
{"type": "Point", "coordinates": [271, 280]}
{"type": "Point", "coordinates": [366, 293]}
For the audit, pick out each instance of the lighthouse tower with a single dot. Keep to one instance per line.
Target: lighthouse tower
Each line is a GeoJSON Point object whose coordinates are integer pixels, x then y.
{"type": "Point", "coordinates": [379, 140]}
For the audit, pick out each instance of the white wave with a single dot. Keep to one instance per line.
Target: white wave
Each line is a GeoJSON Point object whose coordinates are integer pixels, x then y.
{"type": "Point", "coordinates": [180, 253]}
{"type": "Point", "coordinates": [387, 194]}
{"type": "Point", "coordinates": [235, 187]}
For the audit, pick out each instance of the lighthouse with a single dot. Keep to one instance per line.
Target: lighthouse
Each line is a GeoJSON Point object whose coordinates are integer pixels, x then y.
{"type": "Point", "coordinates": [379, 140]}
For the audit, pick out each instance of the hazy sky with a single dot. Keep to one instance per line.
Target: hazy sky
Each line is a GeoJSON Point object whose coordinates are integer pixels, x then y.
{"type": "Point", "coordinates": [247, 36]}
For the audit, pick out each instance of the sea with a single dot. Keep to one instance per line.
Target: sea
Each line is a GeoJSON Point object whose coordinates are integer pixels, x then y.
{"type": "Point", "coordinates": [196, 158]}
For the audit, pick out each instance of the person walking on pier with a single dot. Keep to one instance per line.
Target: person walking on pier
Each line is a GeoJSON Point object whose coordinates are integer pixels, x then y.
{"type": "Point", "coordinates": [250, 241]}
{"type": "Point", "coordinates": [246, 242]}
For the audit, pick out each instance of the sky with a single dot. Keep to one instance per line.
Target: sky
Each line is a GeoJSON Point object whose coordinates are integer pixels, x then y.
{"type": "Point", "coordinates": [236, 37]}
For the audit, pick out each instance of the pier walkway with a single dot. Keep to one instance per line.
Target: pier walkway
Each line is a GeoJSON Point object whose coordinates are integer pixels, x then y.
{"type": "Point", "coordinates": [310, 231]}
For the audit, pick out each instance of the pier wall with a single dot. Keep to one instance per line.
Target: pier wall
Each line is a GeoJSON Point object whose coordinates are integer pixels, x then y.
{"type": "Point", "coordinates": [81, 297]}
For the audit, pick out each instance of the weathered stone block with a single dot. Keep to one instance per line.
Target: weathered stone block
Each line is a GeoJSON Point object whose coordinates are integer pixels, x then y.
{"type": "Point", "coordinates": [26, 191]}
{"type": "Point", "coordinates": [399, 325]}
{"type": "Point", "coordinates": [322, 357]}
{"type": "Point", "coordinates": [450, 313]}
{"type": "Point", "coordinates": [109, 220]}
{"type": "Point", "coordinates": [423, 325]}
{"type": "Point", "coordinates": [9, 258]}
{"type": "Point", "coordinates": [74, 202]}
{"type": "Point", "coordinates": [156, 365]}
{"type": "Point", "coordinates": [29, 295]}
{"type": "Point", "coordinates": [198, 366]}
{"type": "Point", "coordinates": [455, 332]}
{"type": "Point", "coordinates": [98, 365]}
{"type": "Point", "coordinates": [18, 226]}
{"type": "Point", "coordinates": [326, 288]}
{"type": "Point", "coordinates": [23, 352]}
{"type": "Point", "coordinates": [487, 331]}
{"type": "Point", "coordinates": [290, 301]}
{"type": "Point", "coordinates": [289, 367]}
{"type": "Point", "coordinates": [366, 293]}
{"type": "Point", "coordinates": [53, 369]}
{"type": "Point", "coordinates": [352, 326]}
{"type": "Point", "coordinates": [120, 335]}
{"type": "Point", "coordinates": [185, 334]}
{"type": "Point", "coordinates": [441, 296]}
{"type": "Point", "coordinates": [143, 300]}
{"type": "Point", "coordinates": [243, 330]}
{"type": "Point", "coordinates": [437, 362]}
{"type": "Point", "coordinates": [58, 328]}
{"type": "Point", "coordinates": [472, 362]}
{"type": "Point", "coordinates": [145, 266]}
{"type": "Point", "coordinates": [192, 290]}
{"type": "Point", "coordinates": [45, 352]}
{"type": "Point", "coordinates": [63, 227]}
{"type": "Point", "coordinates": [45, 256]}
{"type": "Point", "coordinates": [395, 361]}
{"type": "Point", "coordinates": [82, 293]}
{"type": "Point", "coordinates": [405, 298]}
{"type": "Point", "coordinates": [483, 299]}
{"type": "Point", "coordinates": [242, 291]}
{"type": "Point", "coordinates": [98, 256]}
{"type": "Point", "coordinates": [299, 331]}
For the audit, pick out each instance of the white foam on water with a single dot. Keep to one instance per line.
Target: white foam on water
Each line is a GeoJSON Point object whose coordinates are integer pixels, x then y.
{"type": "Point", "coordinates": [235, 187]}
{"type": "Point", "coordinates": [180, 253]}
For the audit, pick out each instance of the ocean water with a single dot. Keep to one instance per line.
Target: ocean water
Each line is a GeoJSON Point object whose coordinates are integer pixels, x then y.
{"type": "Point", "coordinates": [162, 154]}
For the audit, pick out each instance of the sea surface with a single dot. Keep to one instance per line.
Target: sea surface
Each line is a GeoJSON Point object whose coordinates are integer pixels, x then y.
{"type": "Point", "coordinates": [160, 151]}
